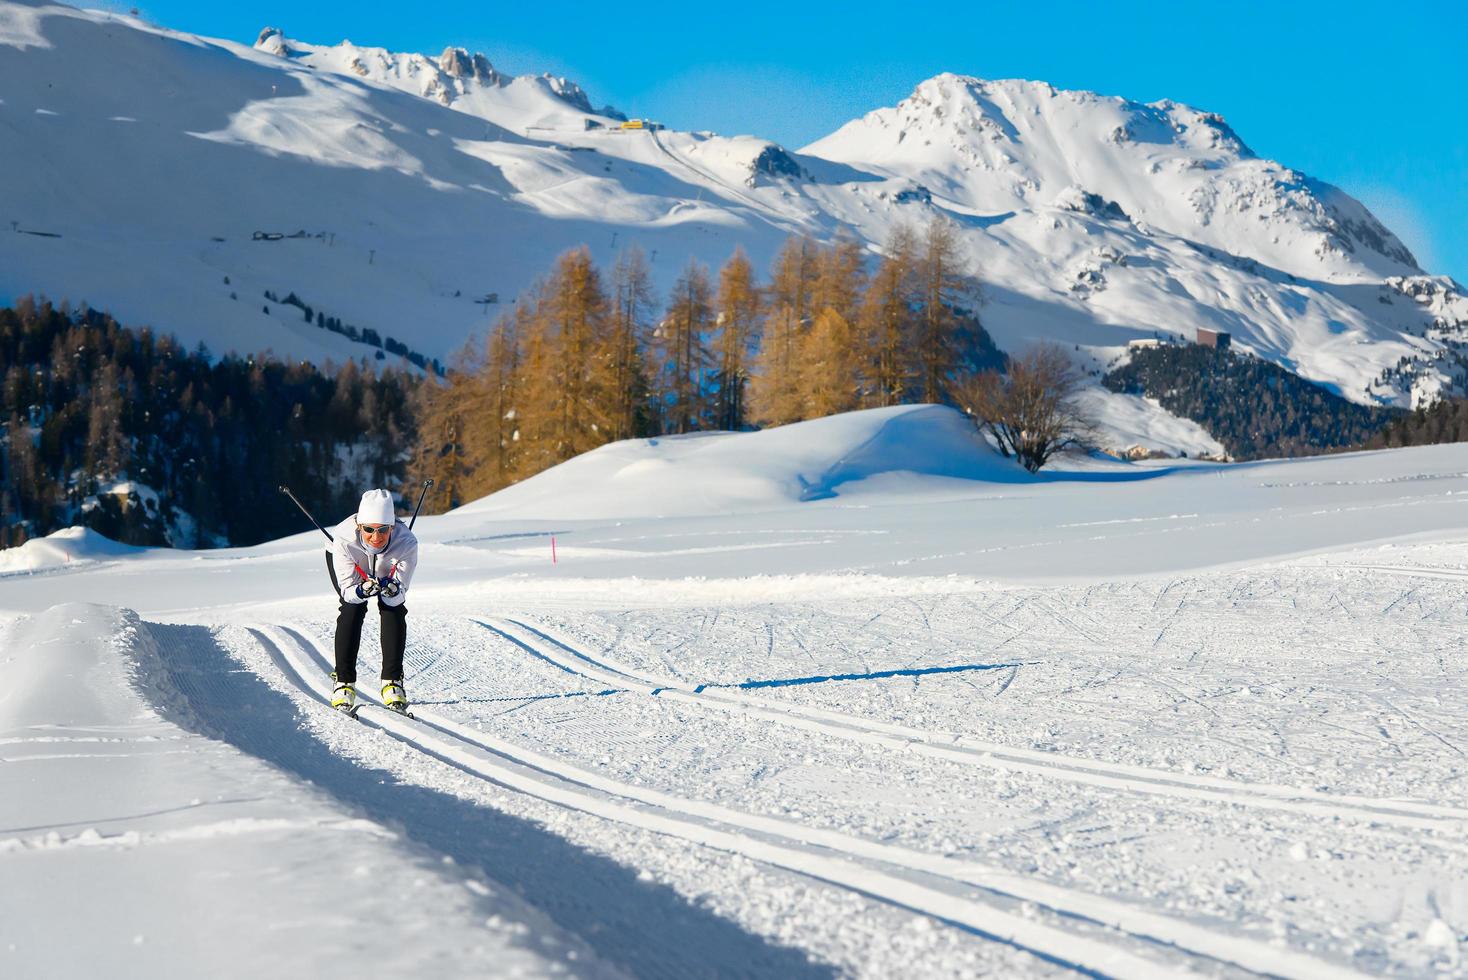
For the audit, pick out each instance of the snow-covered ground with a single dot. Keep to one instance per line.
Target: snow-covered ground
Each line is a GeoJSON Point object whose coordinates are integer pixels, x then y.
{"type": "Point", "coordinates": [799, 702]}
{"type": "Point", "coordinates": [174, 180]}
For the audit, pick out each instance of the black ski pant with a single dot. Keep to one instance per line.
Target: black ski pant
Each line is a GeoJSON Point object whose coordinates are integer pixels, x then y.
{"type": "Point", "coordinates": [349, 638]}
{"type": "Point", "coordinates": [349, 620]}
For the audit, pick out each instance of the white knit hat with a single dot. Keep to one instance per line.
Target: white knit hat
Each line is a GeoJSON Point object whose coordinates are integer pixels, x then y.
{"type": "Point", "coordinates": [375, 508]}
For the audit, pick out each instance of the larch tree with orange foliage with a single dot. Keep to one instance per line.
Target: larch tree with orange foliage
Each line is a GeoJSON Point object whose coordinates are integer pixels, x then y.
{"type": "Point", "coordinates": [737, 322]}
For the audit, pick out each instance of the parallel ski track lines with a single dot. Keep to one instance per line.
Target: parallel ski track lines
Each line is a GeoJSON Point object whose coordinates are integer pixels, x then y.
{"type": "Point", "coordinates": [719, 183]}
{"type": "Point", "coordinates": [1410, 571]}
{"type": "Point", "coordinates": [1413, 815]}
{"type": "Point", "coordinates": [926, 883]}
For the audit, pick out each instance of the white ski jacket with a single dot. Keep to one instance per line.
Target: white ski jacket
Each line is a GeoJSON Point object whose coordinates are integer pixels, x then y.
{"type": "Point", "coordinates": [347, 553]}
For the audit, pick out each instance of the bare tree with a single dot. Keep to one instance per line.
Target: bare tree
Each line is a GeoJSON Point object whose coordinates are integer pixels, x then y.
{"type": "Point", "coordinates": [1031, 410]}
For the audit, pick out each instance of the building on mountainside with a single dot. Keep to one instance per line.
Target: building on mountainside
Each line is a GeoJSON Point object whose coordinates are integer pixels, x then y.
{"type": "Point", "coordinates": [1219, 339]}
{"type": "Point", "coordinates": [1145, 343]}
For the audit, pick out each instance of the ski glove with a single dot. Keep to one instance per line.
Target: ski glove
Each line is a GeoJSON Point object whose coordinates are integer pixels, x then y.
{"type": "Point", "coordinates": [367, 589]}
{"type": "Point", "coordinates": [389, 586]}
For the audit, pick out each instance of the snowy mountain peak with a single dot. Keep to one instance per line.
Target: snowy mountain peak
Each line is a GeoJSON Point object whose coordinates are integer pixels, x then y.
{"type": "Point", "coordinates": [457, 78]}
{"type": "Point", "coordinates": [572, 93]}
{"type": "Point", "coordinates": [1001, 146]}
{"type": "Point", "coordinates": [995, 106]}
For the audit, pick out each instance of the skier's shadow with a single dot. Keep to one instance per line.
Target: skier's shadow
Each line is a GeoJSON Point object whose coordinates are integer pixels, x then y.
{"type": "Point", "coordinates": [641, 927]}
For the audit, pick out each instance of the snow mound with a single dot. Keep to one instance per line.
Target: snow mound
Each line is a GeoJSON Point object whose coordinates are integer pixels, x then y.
{"type": "Point", "coordinates": [64, 547]}
{"type": "Point", "coordinates": [908, 449]}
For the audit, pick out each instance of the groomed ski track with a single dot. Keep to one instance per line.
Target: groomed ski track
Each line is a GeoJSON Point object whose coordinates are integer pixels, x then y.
{"type": "Point", "coordinates": [717, 182]}
{"type": "Point", "coordinates": [539, 641]}
{"type": "Point", "coordinates": [1088, 933]}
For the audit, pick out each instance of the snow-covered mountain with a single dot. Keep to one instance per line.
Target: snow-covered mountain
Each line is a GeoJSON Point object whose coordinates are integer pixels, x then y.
{"type": "Point", "coordinates": [1013, 146]}
{"type": "Point", "coordinates": [173, 180]}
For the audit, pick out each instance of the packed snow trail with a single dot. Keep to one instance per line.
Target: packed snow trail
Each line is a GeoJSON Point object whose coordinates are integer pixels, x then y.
{"type": "Point", "coordinates": [858, 864]}
{"type": "Point", "coordinates": [621, 924]}
{"type": "Point", "coordinates": [133, 847]}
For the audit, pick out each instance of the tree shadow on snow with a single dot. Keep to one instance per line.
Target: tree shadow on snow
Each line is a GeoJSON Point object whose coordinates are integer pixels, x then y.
{"type": "Point", "coordinates": [641, 927]}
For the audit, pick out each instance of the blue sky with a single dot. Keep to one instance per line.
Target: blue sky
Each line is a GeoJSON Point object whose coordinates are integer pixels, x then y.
{"type": "Point", "coordinates": [1370, 97]}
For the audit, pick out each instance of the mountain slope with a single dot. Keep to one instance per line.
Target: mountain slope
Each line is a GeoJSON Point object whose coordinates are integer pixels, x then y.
{"type": "Point", "coordinates": [146, 160]}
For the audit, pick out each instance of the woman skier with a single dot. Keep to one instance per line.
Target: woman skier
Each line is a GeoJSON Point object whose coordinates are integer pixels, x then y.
{"type": "Point", "coordinates": [371, 554]}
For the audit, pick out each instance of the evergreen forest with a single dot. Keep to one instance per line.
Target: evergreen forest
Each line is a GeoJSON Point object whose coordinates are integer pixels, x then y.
{"type": "Point", "coordinates": [129, 434]}
{"type": "Point", "coordinates": [1254, 408]}
{"type": "Point", "coordinates": [1442, 421]}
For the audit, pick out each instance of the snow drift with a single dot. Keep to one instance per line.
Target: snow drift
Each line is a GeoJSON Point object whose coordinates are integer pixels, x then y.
{"type": "Point", "coordinates": [922, 447]}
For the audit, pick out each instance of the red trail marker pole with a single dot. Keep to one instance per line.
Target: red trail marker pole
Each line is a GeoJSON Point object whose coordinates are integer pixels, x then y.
{"type": "Point", "coordinates": [553, 549]}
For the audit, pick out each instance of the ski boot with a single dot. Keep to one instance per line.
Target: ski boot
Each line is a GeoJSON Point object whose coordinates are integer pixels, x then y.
{"type": "Point", "coordinates": [394, 697]}
{"type": "Point", "coordinates": [344, 698]}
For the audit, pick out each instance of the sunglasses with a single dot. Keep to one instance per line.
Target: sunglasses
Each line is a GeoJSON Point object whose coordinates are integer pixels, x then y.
{"type": "Point", "coordinates": [375, 528]}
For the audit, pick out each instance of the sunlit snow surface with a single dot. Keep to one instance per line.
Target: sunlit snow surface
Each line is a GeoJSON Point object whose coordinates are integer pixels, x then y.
{"type": "Point", "coordinates": [864, 699]}
{"type": "Point", "coordinates": [143, 162]}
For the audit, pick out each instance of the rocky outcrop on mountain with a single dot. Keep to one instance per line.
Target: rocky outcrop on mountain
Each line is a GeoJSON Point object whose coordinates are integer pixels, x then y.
{"type": "Point", "coordinates": [774, 161]}
{"type": "Point", "coordinates": [456, 76]}
{"type": "Point", "coordinates": [1084, 202]}
{"type": "Point", "coordinates": [272, 41]}
{"type": "Point", "coordinates": [459, 63]}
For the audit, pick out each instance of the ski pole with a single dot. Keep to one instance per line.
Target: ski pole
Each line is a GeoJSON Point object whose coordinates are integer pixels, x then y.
{"type": "Point", "coordinates": [426, 485]}
{"type": "Point", "coordinates": [287, 491]}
